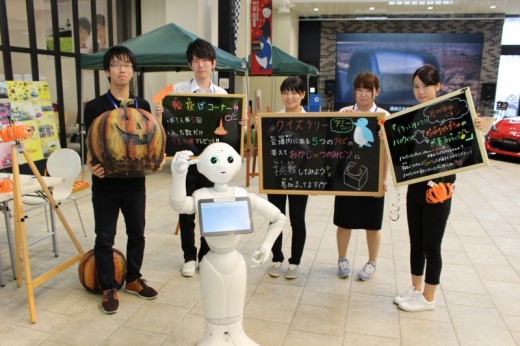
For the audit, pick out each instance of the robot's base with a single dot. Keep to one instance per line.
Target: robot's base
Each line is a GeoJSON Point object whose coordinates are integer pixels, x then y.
{"type": "Point", "coordinates": [226, 335]}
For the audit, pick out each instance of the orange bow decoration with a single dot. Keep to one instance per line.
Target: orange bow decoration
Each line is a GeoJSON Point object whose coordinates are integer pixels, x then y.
{"type": "Point", "coordinates": [438, 193]}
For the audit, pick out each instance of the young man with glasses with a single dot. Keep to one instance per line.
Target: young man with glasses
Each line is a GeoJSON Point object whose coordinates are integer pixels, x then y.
{"type": "Point", "coordinates": [111, 195]}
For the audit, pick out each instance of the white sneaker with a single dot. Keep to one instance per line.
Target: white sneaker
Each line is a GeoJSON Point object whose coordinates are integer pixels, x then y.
{"type": "Point", "coordinates": [405, 295]}
{"type": "Point", "coordinates": [344, 269]}
{"type": "Point", "coordinates": [292, 271]}
{"type": "Point", "coordinates": [367, 271]}
{"type": "Point", "coordinates": [416, 302]}
{"type": "Point", "coordinates": [275, 270]}
{"type": "Point", "coordinates": [189, 268]}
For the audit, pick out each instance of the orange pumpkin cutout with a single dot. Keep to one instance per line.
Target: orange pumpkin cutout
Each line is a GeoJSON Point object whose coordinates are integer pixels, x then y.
{"type": "Point", "coordinates": [127, 142]}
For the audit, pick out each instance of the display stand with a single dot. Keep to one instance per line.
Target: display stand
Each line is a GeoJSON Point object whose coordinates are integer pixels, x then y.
{"type": "Point", "coordinates": [21, 245]}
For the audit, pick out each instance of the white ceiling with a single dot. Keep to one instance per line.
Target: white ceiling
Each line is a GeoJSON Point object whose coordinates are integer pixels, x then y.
{"type": "Point", "coordinates": [383, 8]}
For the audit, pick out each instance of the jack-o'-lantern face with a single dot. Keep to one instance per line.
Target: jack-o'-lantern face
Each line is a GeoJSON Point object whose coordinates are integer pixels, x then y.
{"type": "Point", "coordinates": [136, 130]}
{"type": "Point", "coordinates": [127, 139]}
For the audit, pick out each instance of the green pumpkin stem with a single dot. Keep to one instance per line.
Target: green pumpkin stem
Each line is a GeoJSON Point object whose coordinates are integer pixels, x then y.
{"type": "Point", "coordinates": [127, 102]}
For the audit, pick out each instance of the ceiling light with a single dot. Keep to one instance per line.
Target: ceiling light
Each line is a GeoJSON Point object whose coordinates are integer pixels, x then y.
{"type": "Point", "coordinates": [421, 3]}
{"type": "Point", "coordinates": [492, 7]}
{"type": "Point", "coordinates": [371, 8]}
{"type": "Point", "coordinates": [430, 7]}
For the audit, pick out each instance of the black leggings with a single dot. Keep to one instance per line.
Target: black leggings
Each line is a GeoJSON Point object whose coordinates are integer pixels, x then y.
{"type": "Point", "coordinates": [297, 206]}
{"type": "Point", "coordinates": [426, 226]}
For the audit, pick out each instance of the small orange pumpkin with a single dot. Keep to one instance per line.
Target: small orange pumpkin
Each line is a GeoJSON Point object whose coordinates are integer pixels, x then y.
{"type": "Point", "coordinates": [128, 142]}
{"type": "Point", "coordinates": [438, 193]}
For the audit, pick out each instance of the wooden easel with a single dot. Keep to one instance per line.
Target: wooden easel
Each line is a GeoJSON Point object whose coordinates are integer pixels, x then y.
{"type": "Point", "coordinates": [21, 236]}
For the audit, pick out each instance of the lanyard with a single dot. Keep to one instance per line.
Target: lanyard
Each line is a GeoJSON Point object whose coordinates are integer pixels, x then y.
{"type": "Point", "coordinates": [114, 103]}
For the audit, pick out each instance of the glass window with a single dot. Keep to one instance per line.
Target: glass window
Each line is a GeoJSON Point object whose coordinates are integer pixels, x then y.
{"type": "Point", "coordinates": [21, 66]}
{"type": "Point", "coordinates": [47, 73]}
{"type": "Point", "coordinates": [510, 31]}
{"type": "Point", "coordinates": [42, 14]}
{"type": "Point", "coordinates": [17, 21]}
{"type": "Point", "coordinates": [70, 94]}
{"type": "Point", "coordinates": [65, 27]}
{"type": "Point", "coordinates": [508, 89]}
{"type": "Point", "coordinates": [43, 22]}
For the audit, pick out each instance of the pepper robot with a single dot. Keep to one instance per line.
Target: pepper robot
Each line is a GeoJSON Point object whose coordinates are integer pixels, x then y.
{"type": "Point", "coordinates": [223, 273]}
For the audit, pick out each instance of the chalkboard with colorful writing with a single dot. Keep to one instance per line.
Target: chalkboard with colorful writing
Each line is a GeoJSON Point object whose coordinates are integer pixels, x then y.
{"type": "Point", "coordinates": [320, 153]}
{"type": "Point", "coordinates": [434, 139]}
{"type": "Point", "coordinates": [193, 121]}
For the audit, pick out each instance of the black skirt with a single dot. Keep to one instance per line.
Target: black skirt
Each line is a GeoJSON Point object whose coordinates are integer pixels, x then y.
{"type": "Point", "coordinates": [359, 212]}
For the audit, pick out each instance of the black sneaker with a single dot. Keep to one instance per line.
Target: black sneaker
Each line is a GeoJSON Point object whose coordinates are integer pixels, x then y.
{"type": "Point", "coordinates": [109, 302]}
{"type": "Point", "coordinates": [140, 288]}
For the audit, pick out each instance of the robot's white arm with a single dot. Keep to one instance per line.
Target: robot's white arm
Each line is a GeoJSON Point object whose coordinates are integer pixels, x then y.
{"type": "Point", "coordinates": [277, 222]}
{"type": "Point", "coordinates": [178, 200]}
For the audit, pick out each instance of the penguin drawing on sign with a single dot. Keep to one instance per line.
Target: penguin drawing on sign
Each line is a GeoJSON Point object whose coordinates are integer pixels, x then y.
{"type": "Point", "coordinates": [362, 134]}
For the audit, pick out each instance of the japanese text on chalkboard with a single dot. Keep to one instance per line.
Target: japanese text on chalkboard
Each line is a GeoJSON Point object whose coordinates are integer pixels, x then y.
{"type": "Point", "coordinates": [434, 139]}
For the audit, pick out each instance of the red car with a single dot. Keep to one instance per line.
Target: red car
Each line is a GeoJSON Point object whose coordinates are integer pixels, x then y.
{"type": "Point", "coordinates": [504, 137]}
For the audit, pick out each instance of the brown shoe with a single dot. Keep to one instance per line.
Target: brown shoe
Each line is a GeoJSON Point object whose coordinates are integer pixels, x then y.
{"type": "Point", "coordinates": [109, 302]}
{"type": "Point", "coordinates": [140, 288]}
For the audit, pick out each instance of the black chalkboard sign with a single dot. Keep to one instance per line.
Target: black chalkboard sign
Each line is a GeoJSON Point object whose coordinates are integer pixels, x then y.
{"type": "Point", "coordinates": [193, 121]}
{"type": "Point", "coordinates": [434, 139]}
{"type": "Point", "coordinates": [320, 153]}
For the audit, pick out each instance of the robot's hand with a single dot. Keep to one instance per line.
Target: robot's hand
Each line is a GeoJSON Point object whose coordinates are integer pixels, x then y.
{"type": "Point", "coordinates": [181, 162]}
{"type": "Point", "coordinates": [260, 256]}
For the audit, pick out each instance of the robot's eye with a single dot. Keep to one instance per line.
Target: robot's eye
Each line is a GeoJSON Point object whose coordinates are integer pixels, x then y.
{"type": "Point", "coordinates": [230, 159]}
{"type": "Point", "coordinates": [213, 160]}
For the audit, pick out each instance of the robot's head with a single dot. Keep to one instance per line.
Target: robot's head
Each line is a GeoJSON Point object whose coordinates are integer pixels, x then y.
{"type": "Point", "coordinates": [219, 162]}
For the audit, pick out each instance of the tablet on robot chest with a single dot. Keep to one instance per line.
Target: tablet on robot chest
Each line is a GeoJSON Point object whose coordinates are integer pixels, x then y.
{"type": "Point", "coordinates": [221, 216]}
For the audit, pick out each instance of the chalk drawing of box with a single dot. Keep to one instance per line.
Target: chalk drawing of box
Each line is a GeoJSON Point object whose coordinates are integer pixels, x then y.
{"type": "Point", "coordinates": [355, 175]}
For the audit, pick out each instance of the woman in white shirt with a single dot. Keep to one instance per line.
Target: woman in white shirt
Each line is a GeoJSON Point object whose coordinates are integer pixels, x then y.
{"type": "Point", "coordinates": [360, 212]}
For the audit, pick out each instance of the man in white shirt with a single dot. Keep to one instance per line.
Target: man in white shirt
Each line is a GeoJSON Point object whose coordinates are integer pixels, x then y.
{"type": "Point", "coordinates": [201, 59]}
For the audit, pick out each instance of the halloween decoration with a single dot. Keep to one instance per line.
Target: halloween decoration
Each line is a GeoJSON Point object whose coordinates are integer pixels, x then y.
{"type": "Point", "coordinates": [6, 185]}
{"type": "Point", "coordinates": [438, 192]}
{"type": "Point", "coordinates": [16, 132]}
{"type": "Point", "coordinates": [127, 142]}
{"type": "Point", "coordinates": [88, 275]}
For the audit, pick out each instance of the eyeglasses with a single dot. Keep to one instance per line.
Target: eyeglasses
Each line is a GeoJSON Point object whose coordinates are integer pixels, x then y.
{"type": "Point", "coordinates": [126, 65]}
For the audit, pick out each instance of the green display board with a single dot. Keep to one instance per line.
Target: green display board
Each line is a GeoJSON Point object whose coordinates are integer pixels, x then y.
{"type": "Point", "coordinates": [193, 121]}
{"type": "Point", "coordinates": [320, 153]}
{"type": "Point", "coordinates": [434, 139]}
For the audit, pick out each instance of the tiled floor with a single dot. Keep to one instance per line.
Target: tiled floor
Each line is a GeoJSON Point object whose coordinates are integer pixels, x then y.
{"type": "Point", "coordinates": [478, 302]}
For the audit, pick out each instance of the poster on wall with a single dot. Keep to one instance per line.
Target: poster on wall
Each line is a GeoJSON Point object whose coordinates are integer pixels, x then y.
{"type": "Point", "coordinates": [85, 26]}
{"type": "Point", "coordinates": [261, 47]}
{"type": "Point", "coordinates": [28, 103]}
